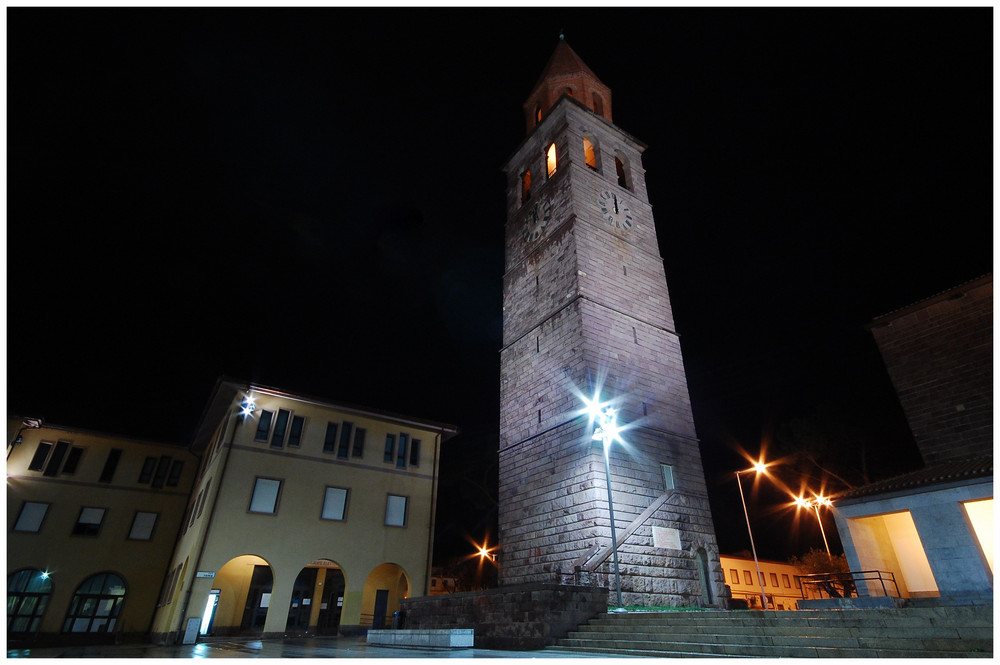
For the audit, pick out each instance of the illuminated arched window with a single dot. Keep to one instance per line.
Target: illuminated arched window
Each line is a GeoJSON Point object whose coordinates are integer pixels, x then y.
{"type": "Point", "coordinates": [589, 154]}
{"type": "Point", "coordinates": [621, 168]}
{"type": "Point", "coordinates": [550, 159]}
{"type": "Point", "coordinates": [598, 104]}
{"type": "Point", "coordinates": [28, 594]}
{"type": "Point", "coordinates": [525, 186]}
{"type": "Point", "coordinates": [538, 113]}
{"type": "Point", "coordinates": [568, 91]}
{"type": "Point", "coordinates": [96, 605]}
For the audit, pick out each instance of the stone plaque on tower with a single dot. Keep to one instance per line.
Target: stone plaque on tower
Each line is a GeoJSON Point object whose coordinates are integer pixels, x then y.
{"type": "Point", "coordinates": [587, 314]}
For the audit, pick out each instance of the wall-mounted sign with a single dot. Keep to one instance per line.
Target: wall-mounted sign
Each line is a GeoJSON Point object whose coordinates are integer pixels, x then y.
{"type": "Point", "coordinates": [666, 538]}
{"type": "Point", "coordinates": [207, 574]}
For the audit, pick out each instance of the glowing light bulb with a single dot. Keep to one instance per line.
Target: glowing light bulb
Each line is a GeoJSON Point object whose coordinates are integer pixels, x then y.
{"type": "Point", "coordinates": [248, 406]}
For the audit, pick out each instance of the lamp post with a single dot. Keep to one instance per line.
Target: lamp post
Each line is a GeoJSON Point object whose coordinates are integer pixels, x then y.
{"type": "Point", "coordinates": [607, 431]}
{"type": "Point", "coordinates": [815, 504]}
{"type": "Point", "coordinates": [758, 467]}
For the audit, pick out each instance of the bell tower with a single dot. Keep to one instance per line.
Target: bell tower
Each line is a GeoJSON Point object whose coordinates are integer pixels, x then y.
{"type": "Point", "coordinates": [587, 313]}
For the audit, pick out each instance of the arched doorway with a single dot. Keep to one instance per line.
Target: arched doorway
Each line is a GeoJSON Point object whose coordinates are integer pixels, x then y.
{"type": "Point", "coordinates": [317, 599]}
{"type": "Point", "coordinates": [384, 588]}
{"type": "Point", "coordinates": [244, 586]}
{"type": "Point", "coordinates": [28, 594]}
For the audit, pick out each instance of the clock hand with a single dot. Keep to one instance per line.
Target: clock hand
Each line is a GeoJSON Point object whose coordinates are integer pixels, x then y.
{"type": "Point", "coordinates": [616, 203]}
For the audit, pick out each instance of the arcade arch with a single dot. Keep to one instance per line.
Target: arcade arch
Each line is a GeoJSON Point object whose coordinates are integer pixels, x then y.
{"type": "Point", "coordinates": [317, 599]}
{"type": "Point", "coordinates": [385, 586]}
{"type": "Point", "coordinates": [244, 587]}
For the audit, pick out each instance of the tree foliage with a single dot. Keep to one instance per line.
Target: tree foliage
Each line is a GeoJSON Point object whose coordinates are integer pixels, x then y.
{"type": "Point", "coordinates": [818, 562]}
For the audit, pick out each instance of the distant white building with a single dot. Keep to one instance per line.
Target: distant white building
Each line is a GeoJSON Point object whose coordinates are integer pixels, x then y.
{"type": "Point", "coordinates": [779, 580]}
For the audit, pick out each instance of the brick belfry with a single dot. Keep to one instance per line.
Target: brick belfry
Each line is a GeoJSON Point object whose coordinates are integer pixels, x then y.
{"type": "Point", "coordinates": [586, 309]}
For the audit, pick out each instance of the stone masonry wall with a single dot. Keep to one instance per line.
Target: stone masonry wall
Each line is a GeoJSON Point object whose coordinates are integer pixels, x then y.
{"type": "Point", "coordinates": [554, 494]}
{"type": "Point", "coordinates": [586, 307]}
{"type": "Point", "coordinates": [524, 617]}
{"type": "Point", "coordinates": [939, 355]}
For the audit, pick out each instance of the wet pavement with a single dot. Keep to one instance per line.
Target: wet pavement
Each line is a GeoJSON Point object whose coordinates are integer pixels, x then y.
{"type": "Point", "coordinates": [309, 647]}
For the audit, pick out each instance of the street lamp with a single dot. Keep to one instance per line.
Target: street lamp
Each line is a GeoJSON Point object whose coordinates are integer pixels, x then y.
{"type": "Point", "coordinates": [758, 468]}
{"type": "Point", "coordinates": [607, 431]}
{"type": "Point", "coordinates": [815, 504]}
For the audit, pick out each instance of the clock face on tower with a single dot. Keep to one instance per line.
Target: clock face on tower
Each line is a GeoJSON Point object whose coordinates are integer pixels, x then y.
{"type": "Point", "coordinates": [615, 210]}
{"type": "Point", "coordinates": [536, 219]}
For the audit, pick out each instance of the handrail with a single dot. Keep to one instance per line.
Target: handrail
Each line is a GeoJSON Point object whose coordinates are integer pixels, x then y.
{"type": "Point", "coordinates": [368, 620]}
{"type": "Point", "coordinates": [847, 582]}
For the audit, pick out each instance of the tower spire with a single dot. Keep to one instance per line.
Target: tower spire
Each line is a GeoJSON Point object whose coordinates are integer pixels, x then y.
{"type": "Point", "coordinates": [566, 74]}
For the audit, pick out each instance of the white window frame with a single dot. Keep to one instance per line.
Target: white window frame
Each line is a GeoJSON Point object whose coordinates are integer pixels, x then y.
{"type": "Point", "coordinates": [396, 510]}
{"type": "Point", "coordinates": [335, 504]}
{"type": "Point", "coordinates": [32, 514]}
{"type": "Point", "coordinates": [86, 517]}
{"type": "Point", "coordinates": [143, 525]}
{"type": "Point", "coordinates": [266, 492]}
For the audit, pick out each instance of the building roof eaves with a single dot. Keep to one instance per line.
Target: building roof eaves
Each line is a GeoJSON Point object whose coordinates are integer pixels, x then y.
{"type": "Point", "coordinates": [45, 425]}
{"type": "Point", "coordinates": [944, 473]}
{"type": "Point", "coordinates": [888, 317]}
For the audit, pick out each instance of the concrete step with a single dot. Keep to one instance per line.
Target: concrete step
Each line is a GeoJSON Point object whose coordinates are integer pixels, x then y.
{"type": "Point", "coordinates": [842, 617]}
{"type": "Point", "coordinates": [833, 631]}
{"type": "Point", "coordinates": [892, 633]}
{"type": "Point", "coordinates": [910, 644]}
{"type": "Point", "coordinates": [622, 653]}
{"type": "Point", "coordinates": [802, 649]}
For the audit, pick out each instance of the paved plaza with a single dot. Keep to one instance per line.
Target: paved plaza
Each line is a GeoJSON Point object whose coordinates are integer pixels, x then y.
{"type": "Point", "coordinates": [314, 647]}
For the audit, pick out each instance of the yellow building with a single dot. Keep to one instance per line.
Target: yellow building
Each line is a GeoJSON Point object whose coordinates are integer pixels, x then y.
{"type": "Point", "coordinates": [780, 581]}
{"type": "Point", "coordinates": [306, 518]}
{"type": "Point", "coordinates": [284, 515]}
{"type": "Point", "coordinates": [91, 523]}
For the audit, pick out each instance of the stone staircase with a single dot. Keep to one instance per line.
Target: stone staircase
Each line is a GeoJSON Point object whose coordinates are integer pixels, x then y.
{"type": "Point", "coordinates": [935, 632]}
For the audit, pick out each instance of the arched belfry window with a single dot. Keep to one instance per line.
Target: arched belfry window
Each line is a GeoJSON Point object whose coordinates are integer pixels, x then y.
{"type": "Point", "coordinates": [550, 160]}
{"type": "Point", "coordinates": [568, 92]}
{"type": "Point", "coordinates": [589, 154]}
{"type": "Point", "coordinates": [621, 169]}
{"type": "Point", "coordinates": [598, 104]}
{"type": "Point", "coordinates": [538, 113]}
{"type": "Point", "coordinates": [525, 186]}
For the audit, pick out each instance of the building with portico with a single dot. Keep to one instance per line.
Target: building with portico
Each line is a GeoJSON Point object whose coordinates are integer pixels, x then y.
{"type": "Point", "coordinates": [306, 517]}
{"type": "Point", "coordinates": [284, 515]}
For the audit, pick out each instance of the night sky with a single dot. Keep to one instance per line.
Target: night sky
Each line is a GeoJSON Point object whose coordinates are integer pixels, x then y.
{"type": "Point", "coordinates": [312, 199]}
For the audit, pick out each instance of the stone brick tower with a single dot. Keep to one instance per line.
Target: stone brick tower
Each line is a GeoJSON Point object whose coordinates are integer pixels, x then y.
{"type": "Point", "coordinates": [586, 309]}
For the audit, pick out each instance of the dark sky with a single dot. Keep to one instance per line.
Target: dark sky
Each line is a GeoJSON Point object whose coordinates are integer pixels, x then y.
{"type": "Point", "coordinates": [312, 199]}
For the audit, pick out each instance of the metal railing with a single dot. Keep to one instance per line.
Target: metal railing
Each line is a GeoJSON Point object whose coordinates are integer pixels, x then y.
{"type": "Point", "coordinates": [368, 620]}
{"type": "Point", "coordinates": [785, 601]}
{"type": "Point", "coordinates": [845, 585]}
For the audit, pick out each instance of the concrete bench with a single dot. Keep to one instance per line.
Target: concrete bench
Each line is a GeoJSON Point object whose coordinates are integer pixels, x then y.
{"type": "Point", "coordinates": [453, 638]}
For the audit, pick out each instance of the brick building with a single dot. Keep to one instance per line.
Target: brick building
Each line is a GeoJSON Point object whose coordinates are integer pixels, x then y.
{"type": "Point", "coordinates": [933, 528]}
{"type": "Point", "coordinates": [939, 354]}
